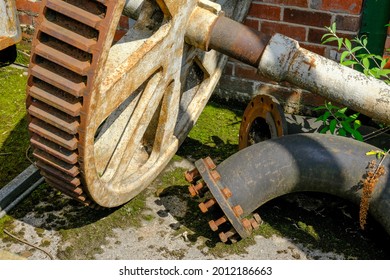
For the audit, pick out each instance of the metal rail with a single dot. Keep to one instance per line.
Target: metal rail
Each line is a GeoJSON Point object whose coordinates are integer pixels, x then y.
{"type": "Point", "coordinates": [19, 188]}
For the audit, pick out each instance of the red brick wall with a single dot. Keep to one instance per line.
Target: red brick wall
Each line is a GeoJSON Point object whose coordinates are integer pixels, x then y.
{"type": "Point", "coordinates": [29, 9]}
{"type": "Point", "coordinates": [303, 20]}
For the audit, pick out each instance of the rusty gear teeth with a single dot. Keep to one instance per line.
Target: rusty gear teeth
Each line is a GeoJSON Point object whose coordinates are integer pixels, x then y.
{"type": "Point", "coordinates": [65, 52]}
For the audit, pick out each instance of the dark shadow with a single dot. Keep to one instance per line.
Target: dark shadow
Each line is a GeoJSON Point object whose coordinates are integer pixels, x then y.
{"type": "Point", "coordinates": [13, 158]}
{"type": "Point", "coordinates": [326, 222]}
{"type": "Point", "coordinates": [193, 219]}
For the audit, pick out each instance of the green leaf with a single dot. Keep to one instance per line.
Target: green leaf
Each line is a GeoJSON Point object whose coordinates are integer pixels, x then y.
{"type": "Point", "coordinates": [340, 42]}
{"type": "Point", "coordinates": [347, 127]}
{"type": "Point", "coordinates": [364, 41]}
{"type": "Point", "coordinates": [348, 44]}
{"type": "Point", "coordinates": [349, 63]}
{"type": "Point", "coordinates": [343, 56]}
{"type": "Point", "coordinates": [333, 27]}
{"type": "Point", "coordinates": [343, 110]}
{"type": "Point", "coordinates": [330, 39]}
{"type": "Point", "coordinates": [366, 62]}
{"type": "Point", "coordinates": [356, 134]}
{"type": "Point", "coordinates": [324, 130]}
{"type": "Point", "coordinates": [319, 108]}
{"type": "Point", "coordinates": [355, 49]}
{"type": "Point", "coordinates": [357, 124]}
{"type": "Point", "coordinates": [342, 132]}
{"type": "Point", "coordinates": [332, 126]}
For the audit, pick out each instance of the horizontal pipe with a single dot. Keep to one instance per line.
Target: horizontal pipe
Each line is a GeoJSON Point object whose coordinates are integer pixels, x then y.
{"type": "Point", "coordinates": [284, 60]}
{"type": "Point", "coordinates": [304, 162]}
{"type": "Point", "coordinates": [237, 41]}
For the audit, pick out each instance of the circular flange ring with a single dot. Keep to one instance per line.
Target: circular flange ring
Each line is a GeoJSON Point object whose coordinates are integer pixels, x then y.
{"type": "Point", "coordinates": [263, 119]}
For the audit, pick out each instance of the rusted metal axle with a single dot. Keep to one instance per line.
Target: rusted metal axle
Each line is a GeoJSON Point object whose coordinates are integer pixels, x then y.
{"type": "Point", "coordinates": [282, 59]}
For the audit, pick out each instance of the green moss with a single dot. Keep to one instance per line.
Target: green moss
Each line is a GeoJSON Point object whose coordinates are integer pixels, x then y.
{"type": "Point", "coordinates": [13, 128]}
{"type": "Point", "coordinates": [215, 134]}
{"type": "Point", "coordinates": [5, 223]}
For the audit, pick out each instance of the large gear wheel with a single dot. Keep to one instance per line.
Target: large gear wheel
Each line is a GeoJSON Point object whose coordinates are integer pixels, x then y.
{"type": "Point", "coordinates": [105, 119]}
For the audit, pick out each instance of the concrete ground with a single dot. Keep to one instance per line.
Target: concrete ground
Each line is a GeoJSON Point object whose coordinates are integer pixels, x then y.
{"type": "Point", "coordinates": [160, 236]}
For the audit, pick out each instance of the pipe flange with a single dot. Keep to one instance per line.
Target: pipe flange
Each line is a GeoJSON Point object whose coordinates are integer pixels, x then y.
{"type": "Point", "coordinates": [221, 194]}
{"type": "Point", "coordinates": [263, 119]}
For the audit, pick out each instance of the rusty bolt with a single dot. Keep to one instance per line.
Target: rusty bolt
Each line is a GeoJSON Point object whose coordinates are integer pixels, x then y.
{"type": "Point", "coordinates": [191, 175]}
{"type": "Point", "coordinates": [246, 224]}
{"type": "Point", "coordinates": [238, 210]}
{"type": "Point", "coordinates": [216, 176]}
{"type": "Point", "coordinates": [209, 163]}
{"type": "Point", "coordinates": [215, 224]}
{"type": "Point", "coordinates": [257, 218]}
{"type": "Point", "coordinates": [194, 190]}
{"type": "Point", "coordinates": [227, 193]}
{"type": "Point", "coordinates": [224, 236]}
{"type": "Point", "coordinates": [254, 224]}
{"type": "Point", "coordinates": [204, 207]}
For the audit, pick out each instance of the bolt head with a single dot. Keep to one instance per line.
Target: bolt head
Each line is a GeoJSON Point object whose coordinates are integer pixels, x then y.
{"type": "Point", "coordinates": [246, 224]}
{"type": "Point", "coordinates": [192, 190]}
{"type": "Point", "coordinates": [257, 218]}
{"type": "Point", "coordinates": [227, 193]}
{"type": "Point", "coordinates": [213, 225]}
{"type": "Point", "coordinates": [254, 224]}
{"type": "Point", "coordinates": [209, 163]}
{"type": "Point", "coordinates": [223, 237]}
{"type": "Point", "coordinates": [238, 210]}
{"type": "Point", "coordinates": [190, 175]}
{"type": "Point", "coordinates": [203, 207]}
{"type": "Point", "coordinates": [216, 176]}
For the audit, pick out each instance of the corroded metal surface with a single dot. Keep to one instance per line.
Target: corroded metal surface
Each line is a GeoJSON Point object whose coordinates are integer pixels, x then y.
{"type": "Point", "coordinates": [238, 41]}
{"type": "Point", "coordinates": [10, 32]}
{"type": "Point", "coordinates": [309, 162]}
{"type": "Point", "coordinates": [263, 119]}
{"type": "Point", "coordinates": [284, 60]}
{"type": "Point", "coordinates": [105, 119]}
{"type": "Point", "coordinates": [233, 223]}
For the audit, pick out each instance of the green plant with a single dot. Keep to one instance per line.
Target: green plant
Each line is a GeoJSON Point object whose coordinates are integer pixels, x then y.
{"type": "Point", "coordinates": [337, 121]}
{"type": "Point", "coordinates": [357, 53]}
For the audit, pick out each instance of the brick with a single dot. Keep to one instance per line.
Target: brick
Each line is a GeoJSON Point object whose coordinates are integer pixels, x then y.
{"type": "Point", "coordinates": [263, 11]}
{"type": "Point", "coordinates": [348, 23]}
{"type": "Point", "coordinates": [318, 49]}
{"type": "Point", "coordinates": [310, 18]}
{"type": "Point", "coordinates": [345, 6]}
{"type": "Point", "coordinates": [229, 68]}
{"type": "Point", "coordinates": [315, 36]}
{"type": "Point", "coordinates": [293, 31]}
{"type": "Point", "coordinates": [236, 85]}
{"type": "Point", "coordinates": [28, 6]}
{"type": "Point", "coordinates": [296, 3]}
{"type": "Point", "coordinates": [252, 23]}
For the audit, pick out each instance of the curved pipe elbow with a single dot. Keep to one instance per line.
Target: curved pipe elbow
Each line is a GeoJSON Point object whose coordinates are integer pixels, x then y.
{"type": "Point", "coordinates": [302, 162]}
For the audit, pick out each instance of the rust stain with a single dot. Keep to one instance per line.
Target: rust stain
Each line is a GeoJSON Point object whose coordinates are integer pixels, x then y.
{"type": "Point", "coordinates": [311, 63]}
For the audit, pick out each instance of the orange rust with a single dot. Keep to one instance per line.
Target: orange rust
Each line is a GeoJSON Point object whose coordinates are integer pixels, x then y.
{"type": "Point", "coordinates": [238, 210]}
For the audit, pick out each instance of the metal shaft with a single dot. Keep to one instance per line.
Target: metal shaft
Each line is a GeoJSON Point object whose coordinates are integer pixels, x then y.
{"type": "Point", "coordinates": [282, 59]}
